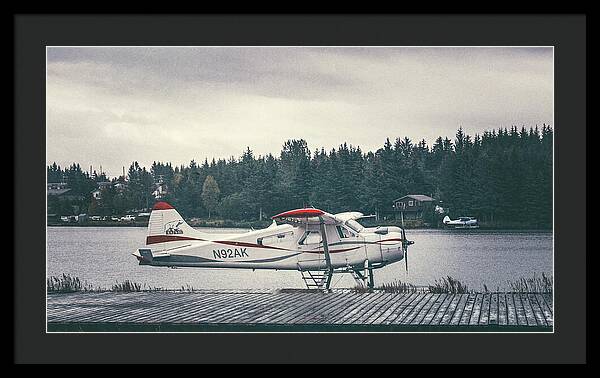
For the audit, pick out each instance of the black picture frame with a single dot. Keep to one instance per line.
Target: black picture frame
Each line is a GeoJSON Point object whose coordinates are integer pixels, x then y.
{"type": "Point", "coordinates": [567, 33]}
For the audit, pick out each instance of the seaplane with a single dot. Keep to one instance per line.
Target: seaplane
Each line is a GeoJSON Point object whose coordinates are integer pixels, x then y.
{"type": "Point", "coordinates": [311, 241]}
{"type": "Point", "coordinates": [461, 222]}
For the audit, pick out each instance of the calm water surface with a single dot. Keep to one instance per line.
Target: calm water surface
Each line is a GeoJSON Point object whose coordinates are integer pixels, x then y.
{"type": "Point", "coordinates": [101, 256]}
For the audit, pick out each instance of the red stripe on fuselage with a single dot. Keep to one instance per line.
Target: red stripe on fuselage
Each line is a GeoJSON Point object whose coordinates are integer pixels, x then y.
{"type": "Point", "coordinates": [333, 251]}
{"type": "Point", "coordinates": [244, 244]}
{"type": "Point", "coordinates": [154, 239]}
{"type": "Point", "coordinates": [387, 240]}
{"type": "Point", "coordinates": [172, 238]}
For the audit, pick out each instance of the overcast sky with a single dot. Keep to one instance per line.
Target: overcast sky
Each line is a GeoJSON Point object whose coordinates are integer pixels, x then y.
{"type": "Point", "coordinates": [110, 106]}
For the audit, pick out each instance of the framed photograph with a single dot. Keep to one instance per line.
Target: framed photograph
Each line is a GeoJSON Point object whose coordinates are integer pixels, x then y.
{"type": "Point", "coordinates": [242, 188]}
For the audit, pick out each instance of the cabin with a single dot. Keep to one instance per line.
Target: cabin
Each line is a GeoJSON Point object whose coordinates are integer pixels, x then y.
{"type": "Point", "coordinates": [102, 186]}
{"type": "Point", "coordinates": [62, 192]}
{"type": "Point", "coordinates": [412, 206]}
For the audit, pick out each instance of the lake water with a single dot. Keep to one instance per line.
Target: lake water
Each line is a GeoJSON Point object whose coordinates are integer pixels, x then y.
{"type": "Point", "coordinates": [101, 256]}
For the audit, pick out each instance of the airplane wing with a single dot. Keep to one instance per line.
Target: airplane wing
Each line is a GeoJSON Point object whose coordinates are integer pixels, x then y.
{"type": "Point", "coordinates": [306, 216]}
{"type": "Point", "coordinates": [350, 215]}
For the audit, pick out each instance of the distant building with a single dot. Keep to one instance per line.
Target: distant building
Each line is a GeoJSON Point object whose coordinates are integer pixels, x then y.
{"type": "Point", "coordinates": [97, 194]}
{"type": "Point", "coordinates": [412, 206]}
{"type": "Point", "coordinates": [120, 186]}
{"type": "Point", "coordinates": [57, 185]}
{"type": "Point", "coordinates": [102, 186]}
{"type": "Point", "coordinates": [160, 191]}
{"type": "Point", "coordinates": [61, 191]}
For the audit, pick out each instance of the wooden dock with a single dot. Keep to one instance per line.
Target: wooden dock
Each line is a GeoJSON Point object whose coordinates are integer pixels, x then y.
{"type": "Point", "coordinates": [298, 310]}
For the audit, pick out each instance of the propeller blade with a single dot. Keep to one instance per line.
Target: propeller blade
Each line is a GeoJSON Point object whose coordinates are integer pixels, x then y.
{"type": "Point", "coordinates": [404, 246]}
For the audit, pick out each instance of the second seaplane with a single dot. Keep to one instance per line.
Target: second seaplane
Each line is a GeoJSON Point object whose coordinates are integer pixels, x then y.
{"type": "Point", "coordinates": [311, 241]}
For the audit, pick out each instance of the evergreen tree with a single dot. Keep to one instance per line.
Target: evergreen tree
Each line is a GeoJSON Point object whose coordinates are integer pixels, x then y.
{"type": "Point", "coordinates": [210, 194]}
{"type": "Point", "coordinates": [503, 176]}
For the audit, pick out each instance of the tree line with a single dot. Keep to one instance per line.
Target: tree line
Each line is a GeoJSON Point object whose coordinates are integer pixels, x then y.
{"type": "Point", "coordinates": [502, 176]}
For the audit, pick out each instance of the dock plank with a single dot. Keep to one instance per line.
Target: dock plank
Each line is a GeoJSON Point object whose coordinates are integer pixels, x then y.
{"type": "Point", "coordinates": [502, 310]}
{"type": "Point", "coordinates": [406, 297]}
{"type": "Point", "coordinates": [549, 299]}
{"type": "Point", "coordinates": [434, 309]}
{"type": "Point", "coordinates": [375, 308]}
{"type": "Point", "coordinates": [529, 315]}
{"type": "Point", "coordinates": [276, 312]}
{"type": "Point", "coordinates": [441, 312]}
{"type": "Point", "coordinates": [356, 311]}
{"type": "Point", "coordinates": [325, 314]}
{"type": "Point", "coordinates": [401, 311]}
{"type": "Point", "coordinates": [413, 310]}
{"type": "Point", "coordinates": [307, 315]}
{"type": "Point", "coordinates": [521, 317]}
{"type": "Point", "coordinates": [455, 310]}
{"type": "Point", "coordinates": [537, 310]}
{"type": "Point", "coordinates": [494, 309]}
{"type": "Point", "coordinates": [512, 318]}
{"type": "Point", "coordinates": [468, 309]}
{"type": "Point", "coordinates": [197, 312]}
{"type": "Point", "coordinates": [293, 308]}
{"type": "Point", "coordinates": [485, 310]}
{"type": "Point", "coordinates": [379, 302]}
{"type": "Point", "coordinates": [248, 306]}
{"type": "Point", "coordinates": [545, 310]}
{"type": "Point", "coordinates": [397, 297]}
{"type": "Point", "coordinates": [419, 315]}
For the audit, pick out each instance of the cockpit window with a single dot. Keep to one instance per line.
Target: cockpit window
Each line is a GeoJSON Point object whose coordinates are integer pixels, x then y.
{"type": "Point", "coordinates": [354, 225]}
{"type": "Point", "coordinates": [310, 237]}
{"type": "Point", "coordinates": [343, 232]}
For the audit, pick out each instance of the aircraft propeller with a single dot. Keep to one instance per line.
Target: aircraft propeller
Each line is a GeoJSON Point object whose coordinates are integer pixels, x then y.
{"type": "Point", "coordinates": [405, 244]}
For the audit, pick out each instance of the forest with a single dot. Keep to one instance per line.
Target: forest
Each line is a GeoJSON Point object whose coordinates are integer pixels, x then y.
{"type": "Point", "coordinates": [503, 177]}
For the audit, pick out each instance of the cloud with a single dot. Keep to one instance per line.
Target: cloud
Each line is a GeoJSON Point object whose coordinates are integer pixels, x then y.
{"type": "Point", "coordinates": [113, 105]}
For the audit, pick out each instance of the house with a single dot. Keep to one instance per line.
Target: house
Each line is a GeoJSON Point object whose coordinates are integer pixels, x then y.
{"type": "Point", "coordinates": [61, 191]}
{"type": "Point", "coordinates": [57, 185]}
{"type": "Point", "coordinates": [120, 186]}
{"type": "Point", "coordinates": [160, 191]}
{"type": "Point", "coordinates": [412, 206]}
{"type": "Point", "coordinates": [97, 193]}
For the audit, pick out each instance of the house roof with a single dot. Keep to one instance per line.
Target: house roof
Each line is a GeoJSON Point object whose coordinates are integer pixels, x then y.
{"type": "Point", "coordinates": [57, 192]}
{"type": "Point", "coordinates": [418, 197]}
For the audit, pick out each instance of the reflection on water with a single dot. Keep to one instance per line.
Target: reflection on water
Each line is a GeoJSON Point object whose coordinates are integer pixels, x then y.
{"type": "Point", "coordinates": [102, 256]}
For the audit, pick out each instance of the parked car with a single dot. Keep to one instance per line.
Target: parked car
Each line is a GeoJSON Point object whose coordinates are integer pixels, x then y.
{"type": "Point", "coordinates": [115, 219]}
{"type": "Point", "coordinates": [128, 218]}
{"type": "Point", "coordinates": [95, 218]}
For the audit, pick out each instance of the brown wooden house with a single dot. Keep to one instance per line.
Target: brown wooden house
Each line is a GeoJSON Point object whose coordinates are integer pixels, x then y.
{"type": "Point", "coordinates": [412, 206]}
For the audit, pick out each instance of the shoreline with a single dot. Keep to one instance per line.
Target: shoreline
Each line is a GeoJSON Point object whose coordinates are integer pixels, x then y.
{"type": "Point", "coordinates": [251, 225]}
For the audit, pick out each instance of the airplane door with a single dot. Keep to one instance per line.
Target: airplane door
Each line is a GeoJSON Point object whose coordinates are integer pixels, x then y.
{"type": "Point", "coordinates": [311, 246]}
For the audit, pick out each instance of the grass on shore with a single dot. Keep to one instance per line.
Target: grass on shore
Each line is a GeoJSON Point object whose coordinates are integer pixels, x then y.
{"type": "Point", "coordinates": [450, 285]}
{"type": "Point", "coordinates": [535, 284]}
{"type": "Point", "coordinates": [396, 286]}
{"type": "Point", "coordinates": [67, 284]}
{"type": "Point", "coordinates": [446, 285]}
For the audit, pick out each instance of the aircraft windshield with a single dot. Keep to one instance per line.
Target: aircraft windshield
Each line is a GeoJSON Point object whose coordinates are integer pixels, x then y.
{"type": "Point", "coordinates": [357, 227]}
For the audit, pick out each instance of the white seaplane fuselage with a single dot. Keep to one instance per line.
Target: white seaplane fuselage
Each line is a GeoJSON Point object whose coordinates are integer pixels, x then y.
{"type": "Point", "coordinates": [462, 222]}
{"type": "Point", "coordinates": [289, 246]}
